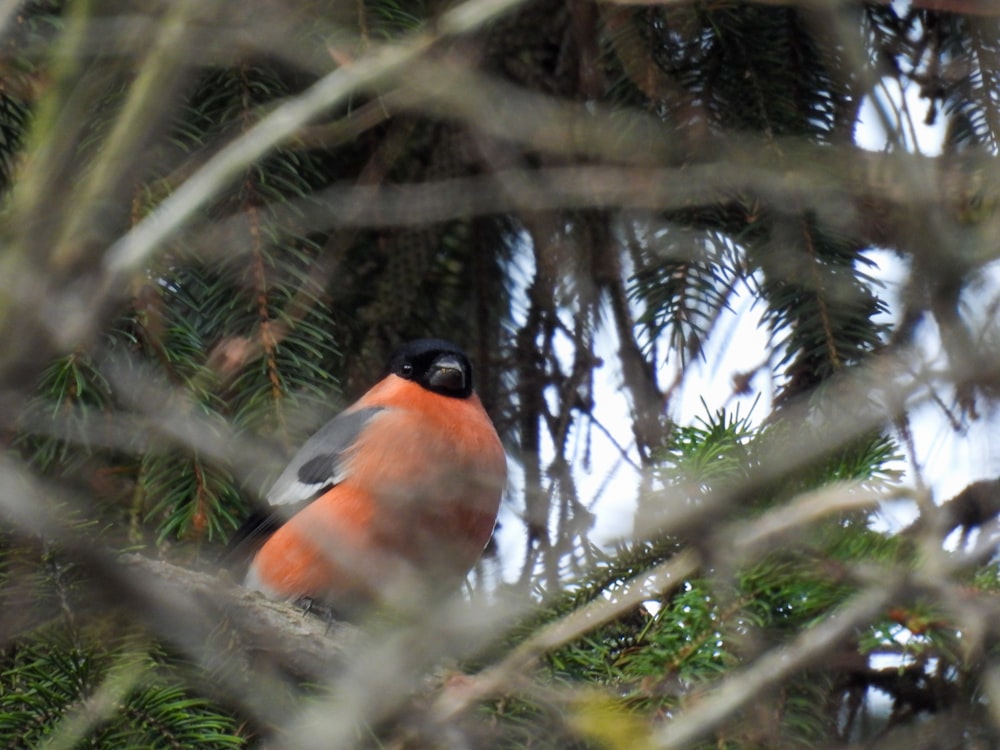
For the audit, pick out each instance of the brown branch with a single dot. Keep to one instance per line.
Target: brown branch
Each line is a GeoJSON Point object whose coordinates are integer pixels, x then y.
{"type": "Point", "coordinates": [296, 642]}
{"type": "Point", "coordinates": [250, 646]}
{"type": "Point", "coordinates": [741, 688]}
{"type": "Point", "coordinates": [650, 424]}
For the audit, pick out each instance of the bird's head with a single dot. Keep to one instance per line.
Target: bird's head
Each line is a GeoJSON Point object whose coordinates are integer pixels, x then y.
{"type": "Point", "coordinates": [435, 364]}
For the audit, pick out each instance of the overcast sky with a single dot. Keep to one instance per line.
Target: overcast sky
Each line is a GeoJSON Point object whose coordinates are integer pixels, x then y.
{"type": "Point", "coordinates": [607, 484]}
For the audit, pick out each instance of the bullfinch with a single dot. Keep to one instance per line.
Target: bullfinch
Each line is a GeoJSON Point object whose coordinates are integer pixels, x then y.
{"type": "Point", "coordinates": [392, 500]}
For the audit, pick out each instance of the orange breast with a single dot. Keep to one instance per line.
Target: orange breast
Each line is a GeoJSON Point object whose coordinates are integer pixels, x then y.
{"type": "Point", "coordinates": [314, 552]}
{"type": "Point", "coordinates": [422, 489]}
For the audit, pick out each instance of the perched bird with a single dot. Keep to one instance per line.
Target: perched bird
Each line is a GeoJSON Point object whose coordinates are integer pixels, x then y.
{"type": "Point", "coordinates": [392, 500]}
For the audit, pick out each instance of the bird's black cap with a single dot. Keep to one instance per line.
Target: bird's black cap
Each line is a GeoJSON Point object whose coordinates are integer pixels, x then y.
{"type": "Point", "coordinates": [437, 365]}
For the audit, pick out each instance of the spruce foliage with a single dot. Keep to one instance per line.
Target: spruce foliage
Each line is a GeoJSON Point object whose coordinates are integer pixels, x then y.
{"type": "Point", "coordinates": [566, 189]}
{"type": "Point", "coordinates": [59, 694]}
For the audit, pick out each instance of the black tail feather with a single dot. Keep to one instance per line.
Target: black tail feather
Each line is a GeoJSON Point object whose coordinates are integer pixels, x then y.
{"type": "Point", "coordinates": [247, 539]}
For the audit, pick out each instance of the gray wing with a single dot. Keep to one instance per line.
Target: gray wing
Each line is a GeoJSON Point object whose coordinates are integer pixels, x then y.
{"type": "Point", "coordinates": [318, 464]}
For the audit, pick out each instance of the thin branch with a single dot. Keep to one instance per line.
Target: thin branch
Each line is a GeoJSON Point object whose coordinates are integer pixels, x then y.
{"type": "Point", "coordinates": [135, 248]}
{"type": "Point", "coordinates": [743, 542]}
{"type": "Point", "coordinates": [149, 98]}
{"type": "Point", "coordinates": [519, 662]}
{"type": "Point", "coordinates": [740, 689]}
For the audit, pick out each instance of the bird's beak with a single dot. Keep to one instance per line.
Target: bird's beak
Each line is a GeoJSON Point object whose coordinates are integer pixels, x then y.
{"type": "Point", "coordinates": [447, 373]}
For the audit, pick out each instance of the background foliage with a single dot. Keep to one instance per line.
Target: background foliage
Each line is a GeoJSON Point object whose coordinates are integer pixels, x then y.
{"type": "Point", "coordinates": [219, 218]}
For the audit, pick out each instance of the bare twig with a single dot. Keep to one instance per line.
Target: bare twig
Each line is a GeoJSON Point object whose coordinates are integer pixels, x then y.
{"type": "Point", "coordinates": [771, 669]}
{"type": "Point", "coordinates": [135, 248]}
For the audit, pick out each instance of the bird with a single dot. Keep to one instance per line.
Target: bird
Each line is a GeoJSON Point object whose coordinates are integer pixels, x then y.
{"type": "Point", "coordinates": [392, 501]}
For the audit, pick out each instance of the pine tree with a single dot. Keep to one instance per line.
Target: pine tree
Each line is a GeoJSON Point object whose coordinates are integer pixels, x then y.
{"type": "Point", "coordinates": [219, 219]}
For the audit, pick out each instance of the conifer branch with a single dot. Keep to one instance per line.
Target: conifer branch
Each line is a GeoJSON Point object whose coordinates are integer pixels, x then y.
{"type": "Point", "coordinates": [772, 668]}
{"type": "Point", "coordinates": [137, 246]}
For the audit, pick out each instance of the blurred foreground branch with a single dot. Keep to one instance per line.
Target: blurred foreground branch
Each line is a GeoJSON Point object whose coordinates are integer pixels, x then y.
{"type": "Point", "coordinates": [300, 644]}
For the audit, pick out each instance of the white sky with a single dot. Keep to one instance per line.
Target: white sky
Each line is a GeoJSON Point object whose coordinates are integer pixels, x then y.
{"type": "Point", "coordinates": [607, 485]}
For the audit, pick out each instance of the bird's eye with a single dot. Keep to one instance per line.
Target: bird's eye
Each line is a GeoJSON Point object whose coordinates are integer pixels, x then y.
{"type": "Point", "coordinates": [406, 370]}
